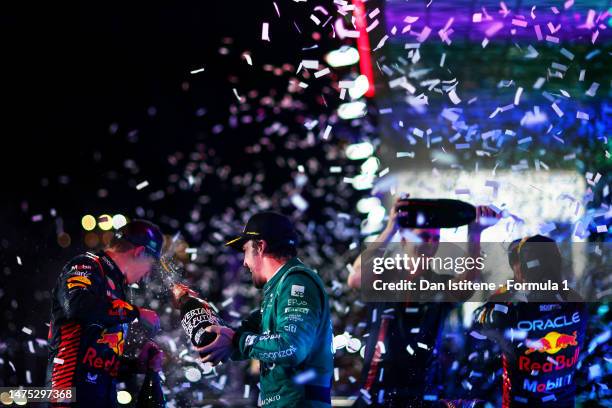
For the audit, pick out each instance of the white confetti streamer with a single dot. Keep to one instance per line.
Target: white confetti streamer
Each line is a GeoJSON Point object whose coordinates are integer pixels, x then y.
{"type": "Point", "coordinates": [517, 95]}
{"type": "Point", "coordinates": [265, 35]}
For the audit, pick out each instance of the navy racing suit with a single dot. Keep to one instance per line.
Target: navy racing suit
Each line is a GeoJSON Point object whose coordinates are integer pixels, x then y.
{"type": "Point", "coordinates": [541, 344]}
{"type": "Point", "coordinates": [89, 322]}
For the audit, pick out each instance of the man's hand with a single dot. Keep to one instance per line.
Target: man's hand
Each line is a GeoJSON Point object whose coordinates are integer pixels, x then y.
{"type": "Point", "coordinates": [150, 357]}
{"type": "Point", "coordinates": [395, 213]}
{"type": "Point", "coordinates": [221, 348]}
{"type": "Point", "coordinates": [149, 319]}
{"type": "Point", "coordinates": [485, 218]}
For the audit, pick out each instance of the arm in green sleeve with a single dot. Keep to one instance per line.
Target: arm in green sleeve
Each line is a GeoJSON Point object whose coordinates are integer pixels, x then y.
{"type": "Point", "coordinates": [252, 325]}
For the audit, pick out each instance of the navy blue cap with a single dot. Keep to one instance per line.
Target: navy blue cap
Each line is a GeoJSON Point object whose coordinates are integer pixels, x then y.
{"type": "Point", "coordinates": [270, 226]}
{"type": "Point", "coordinates": [143, 233]}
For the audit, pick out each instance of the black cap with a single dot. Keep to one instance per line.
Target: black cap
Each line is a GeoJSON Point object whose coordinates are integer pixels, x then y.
{"type": "Point", "coordinates": [539, 253]}
{"type": "Point", "coordinates": [143, 233]}
{"type": "Point", "coordinates": [272, 227]}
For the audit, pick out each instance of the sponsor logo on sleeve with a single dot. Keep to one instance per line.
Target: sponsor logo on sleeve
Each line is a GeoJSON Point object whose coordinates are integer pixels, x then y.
{"type": "Point", "coordinates": [302, 310]}
{"type": "Point", "coordinates": [296, 302]}
{"type": "Point", "coordinates": [81, 267]}
{"type": "Point", "coordinates": [268, 400]}
{"type": "Point", "coordinates": [291, 328]}
{"type": "Point", "coordinates": [78, 281]}
{"type": "Point", "coordinates": [250, 340]}
{"type": "Point", "coordinates": [119, 307]}
{"type": "Point", "coordinates": [297, 290]}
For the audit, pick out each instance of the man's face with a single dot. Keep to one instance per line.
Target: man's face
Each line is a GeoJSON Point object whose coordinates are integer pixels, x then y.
{"type": "Point", "coordinates": [139, 265]}
{"type": "Point", "coordinates": [253, 261]}
{"type": "Point", "coordinates": [429, 241]}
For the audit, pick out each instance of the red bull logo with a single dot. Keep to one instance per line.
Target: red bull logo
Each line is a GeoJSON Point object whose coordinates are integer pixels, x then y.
{"type": "Point", "coordinates": [92, 359]}
{"type": "Point", "coordinates": [551, 343]}
{"type": "Point", "coordinates": [118, 307]}
{"type": "Point", "coordinates": [120, 304]}
{"type": "Point", "coordinates": [113, 340]}
{"type": "Point", "coordinates": [557, 363]}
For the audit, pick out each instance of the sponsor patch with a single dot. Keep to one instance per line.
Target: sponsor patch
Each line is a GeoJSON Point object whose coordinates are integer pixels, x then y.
{"type": "Point", "coordinates": [114, 341]}
{"type": "Point", "coordinates": [551, 343]}
{"type": "Point", "coordinates": [81, 279]}
{"type": "Point", "coordinates": [92, 378]}
{"type": "Point", "coordinates": [250, 340]}
{"type": "Point", "coordinates": [297, 290]}
{"type": "Point", "coordinates": [296, 302]}
{"type": "Point", "coordinates": [302, 310]}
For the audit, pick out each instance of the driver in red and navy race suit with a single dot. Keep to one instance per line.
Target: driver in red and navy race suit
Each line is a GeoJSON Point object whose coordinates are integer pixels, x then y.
{"type": "Point", "coordinates": [541, 335]}
{"type": "Point", "coordinates": [90, 317]}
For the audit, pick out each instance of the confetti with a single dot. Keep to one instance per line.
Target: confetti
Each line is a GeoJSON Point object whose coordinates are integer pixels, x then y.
{"type": "Point", "coordinates": [310, 64]}
{"type": "Point", "coordinates": [264, 32]}
{"type": "Point", "coordinates": [405, 154]}
{"type": "Point", "coordinates": [517, 95]}
{"type": "Point", "coordinates": [322, 72]}
{"type": "Point", "coordinates": [424, 34]}
{"type": "Point", "coordinates": [592, 89]}
{"type": "Point", "coordinates": [567, 54]}
{"type": "Point", "coordinates": [558, 111]}
{"type": "Point", "coordinates": [477, 335]}
{"type": "Point", "coordinates": [519, 23]}
{"type": "Point", "coordinates": [582, 115]}
{"type": "Point", "coordinates": [452, 95]}
{"type": "Point", "coordinates": [501, 308]}
{"type": "Point", "coordinates": [538, 32]}
{"type": "Point", "coordinates": [539, 82]}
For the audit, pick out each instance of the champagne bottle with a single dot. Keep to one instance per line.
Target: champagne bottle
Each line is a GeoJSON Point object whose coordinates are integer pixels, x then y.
{"type": "Point", "coordinates": [196, 315]}
{"type": "Point", "coordinates": [435, 213]}
{"type": "Point", "coordinates": [151, 394]}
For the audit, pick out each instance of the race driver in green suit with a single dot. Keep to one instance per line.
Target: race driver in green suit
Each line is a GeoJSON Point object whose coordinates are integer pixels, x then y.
{"type": "Point", "coordinates": [291, 335]}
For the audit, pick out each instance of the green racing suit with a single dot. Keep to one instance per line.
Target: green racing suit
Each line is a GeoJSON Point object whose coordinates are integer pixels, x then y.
{"type": "Point", "coordinates": [291, 336]}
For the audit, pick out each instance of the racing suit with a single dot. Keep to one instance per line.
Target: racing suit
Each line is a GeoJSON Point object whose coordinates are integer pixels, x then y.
{"type": "Point", "coordinates": [541, 345]}
{"type": "Point", "coordinates": [294, 340]}
{"type": "Point", "coordinates": [89, 320]}
{"type": "Point", "coordinates": [400, 351]}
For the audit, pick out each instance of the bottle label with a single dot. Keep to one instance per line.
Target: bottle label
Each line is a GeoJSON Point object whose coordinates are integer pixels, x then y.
{"type": "Point", "coordinates": [196, 317]}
